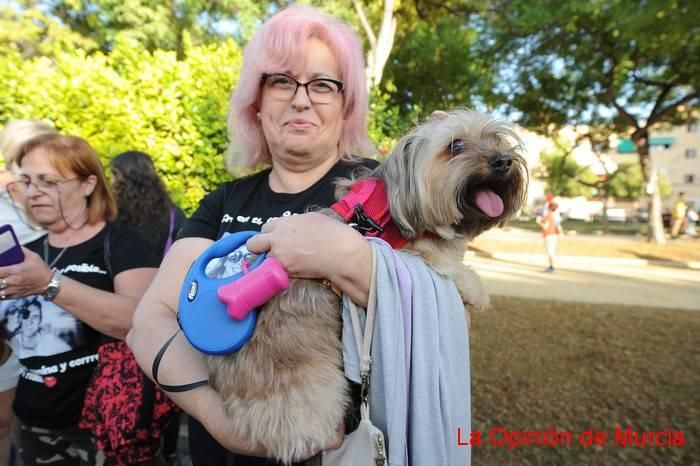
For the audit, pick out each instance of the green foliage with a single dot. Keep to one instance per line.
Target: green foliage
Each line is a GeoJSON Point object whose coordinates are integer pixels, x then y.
{"type": "Point", "coordinates": [628, 183]}
{"type": "Point", "coordinates": [438, 65]}
{"type": "Point", "coordinates": [135, 99]}
{"type": "Point", "coordinates": [563, 175]}
{"type": "Point", "coordinates": [385, 124]}
{"type": "Point", "coordinates": [587, 62]}
{"type": "Point", "coordinates": [32, 33]}
{"type": "Point", "coordinates": [157, 24]}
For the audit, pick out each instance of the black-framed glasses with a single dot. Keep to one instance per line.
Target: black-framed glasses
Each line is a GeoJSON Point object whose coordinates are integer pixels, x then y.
{"type": "Point", "coordinates": [42, 183]}
{"type": "Point", "coordinates": [284, 87]}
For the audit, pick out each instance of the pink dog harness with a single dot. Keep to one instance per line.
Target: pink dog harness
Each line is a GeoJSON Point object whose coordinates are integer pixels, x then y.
{"type": "Point", "coordinates": [366, 208]}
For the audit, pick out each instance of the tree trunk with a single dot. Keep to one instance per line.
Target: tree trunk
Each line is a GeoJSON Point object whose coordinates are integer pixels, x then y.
{"type": "Point", "coordinates": [381, 44]}
{"type": "Point", "coordinates": [655, 225]}
{"type": "Point", "coordinates": [605, 213]}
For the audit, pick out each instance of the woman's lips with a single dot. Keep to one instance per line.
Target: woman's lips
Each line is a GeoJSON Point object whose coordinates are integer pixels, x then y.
{"type": "Point", "coordinates": [300, 124]}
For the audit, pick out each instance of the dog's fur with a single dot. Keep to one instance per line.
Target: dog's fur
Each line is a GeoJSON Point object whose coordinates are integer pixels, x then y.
{"type": "Point", "coordinates": [285, 389]}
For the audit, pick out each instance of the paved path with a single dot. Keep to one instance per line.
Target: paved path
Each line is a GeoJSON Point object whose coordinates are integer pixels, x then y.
{"type": "Point", "coordinates": [598, 281]}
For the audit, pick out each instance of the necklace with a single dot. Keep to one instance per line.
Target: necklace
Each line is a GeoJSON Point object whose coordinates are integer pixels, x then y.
{"type": "Point", "coordinates": [46, 253]}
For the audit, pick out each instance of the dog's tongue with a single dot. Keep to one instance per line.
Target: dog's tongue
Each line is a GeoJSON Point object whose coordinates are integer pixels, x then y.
{"type": "Point", "coordinates": [489, 202]}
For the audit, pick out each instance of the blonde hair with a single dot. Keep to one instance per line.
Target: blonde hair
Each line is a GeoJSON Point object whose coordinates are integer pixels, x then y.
{"type": "Point", "coordinates": [75, 154]}
{"type": "Point", "coordinates": [16, 133]}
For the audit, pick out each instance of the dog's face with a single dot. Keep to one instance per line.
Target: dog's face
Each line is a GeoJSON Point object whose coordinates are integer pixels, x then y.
{"type": "Point", "coordinates": [456, 175]}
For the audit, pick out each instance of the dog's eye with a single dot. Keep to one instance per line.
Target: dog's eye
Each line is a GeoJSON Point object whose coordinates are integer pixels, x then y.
{"type": "Point", "coordinates": [456, 147]}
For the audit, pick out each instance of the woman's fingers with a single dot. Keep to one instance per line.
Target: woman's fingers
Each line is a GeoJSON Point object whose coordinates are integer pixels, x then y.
{"type": "Point", "coordinates": [259, 243]}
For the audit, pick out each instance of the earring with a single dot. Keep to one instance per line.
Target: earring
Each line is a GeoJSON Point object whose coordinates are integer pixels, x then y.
{"type": "Point", "coordinates": [259, 115]}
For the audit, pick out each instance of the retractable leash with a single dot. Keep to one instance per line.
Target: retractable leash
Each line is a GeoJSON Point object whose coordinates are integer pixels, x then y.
{"type": "Point", "coordinates": [218, 315]}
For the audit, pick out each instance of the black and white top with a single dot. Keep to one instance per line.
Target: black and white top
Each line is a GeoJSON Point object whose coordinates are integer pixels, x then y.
{"type": "Point", "coordinates": [247, 204]}
{"type": "Point", "coordinates": [57, 351]}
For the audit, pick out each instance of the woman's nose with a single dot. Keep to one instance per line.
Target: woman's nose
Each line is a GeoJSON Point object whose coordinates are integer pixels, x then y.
{"type": "Point", "coordinates": [301, 100]}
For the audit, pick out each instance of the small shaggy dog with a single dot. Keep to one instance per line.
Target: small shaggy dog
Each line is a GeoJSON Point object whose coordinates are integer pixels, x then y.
{"type": "Point", "coordinates": [451, 178]}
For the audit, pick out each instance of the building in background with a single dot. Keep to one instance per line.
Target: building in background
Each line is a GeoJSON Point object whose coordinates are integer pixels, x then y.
{"type": "Point", "coordinates": [676, 153]}
{"type": "Point", "coordinates": [674, 150]}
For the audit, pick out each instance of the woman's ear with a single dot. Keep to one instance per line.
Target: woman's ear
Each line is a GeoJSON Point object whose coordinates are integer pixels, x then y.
{"type": "Point", "coordinates": [89, 185]}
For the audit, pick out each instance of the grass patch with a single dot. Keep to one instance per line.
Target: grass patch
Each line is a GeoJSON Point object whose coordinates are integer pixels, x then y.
{"type": "Point", "coordinates": [678, 250]}
{"type": "Point", "coordinates": [543, 364]}
{"type": "Point", "coordinates": [582, 227]}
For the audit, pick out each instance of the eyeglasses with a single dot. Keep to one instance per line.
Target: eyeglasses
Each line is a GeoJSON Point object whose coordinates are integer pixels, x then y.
{"type": "Point", "coordinates": [284, 87]}
{"type": "Point", "coordinates": [42, 183]}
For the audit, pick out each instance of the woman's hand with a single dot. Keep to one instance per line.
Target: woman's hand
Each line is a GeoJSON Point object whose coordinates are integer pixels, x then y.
{"type": "Point", "coordinates": [310, 245]}
{"type": "Point", "coordinates": [26, 278]}
{"type": "Point", "coordinates": [314, 245]}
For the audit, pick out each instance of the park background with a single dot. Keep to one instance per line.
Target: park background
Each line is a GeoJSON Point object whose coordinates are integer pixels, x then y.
{"type": "Point", "coordinates": [156, 76]}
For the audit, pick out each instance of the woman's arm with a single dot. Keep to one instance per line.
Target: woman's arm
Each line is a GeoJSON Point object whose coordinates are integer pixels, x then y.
{"type": "Point", "coordinates": [314, 245]}
{"type": "Point", "coordinates": [155, 321]}
{"type": "Point", "coordinates": [113, 313]}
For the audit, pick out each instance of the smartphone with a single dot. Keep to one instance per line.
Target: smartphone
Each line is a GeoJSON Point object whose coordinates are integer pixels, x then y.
{"type": "Point", "coordinates": [10, 249]}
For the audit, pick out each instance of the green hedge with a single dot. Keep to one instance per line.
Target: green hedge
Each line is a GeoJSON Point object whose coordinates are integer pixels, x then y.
{"type": "Point", "coordinates": [132, 99]}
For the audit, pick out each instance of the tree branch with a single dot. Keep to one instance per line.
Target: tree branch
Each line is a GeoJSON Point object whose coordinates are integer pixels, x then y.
{"type": "Point", "coordinates": [651, 82]}
{"type": "Point", "coordinates": [628, 116]}
{"type": "Point", "coordinates": [596, 185]}
{"type": "Point", "coordinates": [653, 118]}
{"type": "Point", "coordinates": [365, 24]}
{"type": "Point", "coordinates": [660, 99]}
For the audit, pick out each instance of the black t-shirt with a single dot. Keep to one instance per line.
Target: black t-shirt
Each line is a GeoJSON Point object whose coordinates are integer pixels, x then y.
{"type": "Point", "coordinates": [247, 204]}
{"type": "Point", "coordinates": [156, 233]}
{"type": "Point", "coordinates": [58, 352]}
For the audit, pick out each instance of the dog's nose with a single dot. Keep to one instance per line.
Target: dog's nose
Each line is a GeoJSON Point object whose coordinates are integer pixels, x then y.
{"type": "Point", "coordinates": [501, 164]}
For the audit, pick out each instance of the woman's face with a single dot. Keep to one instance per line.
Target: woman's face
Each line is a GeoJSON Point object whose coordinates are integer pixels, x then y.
{"type": "Point", "coordinates": [52, 197]}
{"type": "Point", "coordinates": [32, 320]}
{"type": "Point", "coordinates": [299, 131]}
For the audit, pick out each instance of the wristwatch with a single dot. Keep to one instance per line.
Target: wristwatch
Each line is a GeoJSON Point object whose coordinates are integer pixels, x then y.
{"type": "Point", "coordinates": [54, 285]}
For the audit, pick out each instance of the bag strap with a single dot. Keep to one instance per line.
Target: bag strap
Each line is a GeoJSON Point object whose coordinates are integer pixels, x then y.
{"type": "Point", "coordinates": [169, 240]}
{"type": "Point", "coordinates": [363, 340]}
{"type": "Point", "coordinates": [149, 392]}
{"type": "Point", "coordinates": [107, 249]}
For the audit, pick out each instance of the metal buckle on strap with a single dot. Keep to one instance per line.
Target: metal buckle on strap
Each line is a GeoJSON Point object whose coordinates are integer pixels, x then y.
{"type": "Point", "coordinates": [331, 286]}
{"type": "Point", "coordinates": [364, 389]}
{"type": "Point", "coordinates": [364, 223]}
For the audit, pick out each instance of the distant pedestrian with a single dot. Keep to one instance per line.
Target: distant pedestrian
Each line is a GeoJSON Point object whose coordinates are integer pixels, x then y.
{"type": "Point", "coordinates": [680, 209]}
{"type": "Point", "coordinates": [551, 229]}
{"type": "Point", "coordinates": [544, 209]}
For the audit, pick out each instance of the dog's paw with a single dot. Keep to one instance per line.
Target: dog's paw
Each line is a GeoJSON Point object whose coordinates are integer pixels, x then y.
{"type": "Point", "coordinates": [472, 290]}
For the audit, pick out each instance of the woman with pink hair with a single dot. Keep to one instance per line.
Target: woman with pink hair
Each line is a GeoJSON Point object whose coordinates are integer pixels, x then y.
{"type": "Point", "coordinates": [299, 109]}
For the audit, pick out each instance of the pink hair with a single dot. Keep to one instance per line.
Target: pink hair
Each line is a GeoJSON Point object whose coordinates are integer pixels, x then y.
{"type": "Point", "coordinates": [277, 46]}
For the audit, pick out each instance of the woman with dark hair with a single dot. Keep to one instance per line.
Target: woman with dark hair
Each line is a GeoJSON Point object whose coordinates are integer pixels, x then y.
{"type": "Point", "coordinates": [143, 202]}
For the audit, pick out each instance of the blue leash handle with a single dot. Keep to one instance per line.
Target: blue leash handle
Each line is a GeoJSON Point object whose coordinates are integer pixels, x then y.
{"type": "Point", "coordinates": [202, 316]}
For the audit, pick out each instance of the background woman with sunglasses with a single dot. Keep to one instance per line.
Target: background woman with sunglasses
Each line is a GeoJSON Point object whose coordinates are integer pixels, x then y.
{"type": "Point", "coordinates": [84, 299]}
